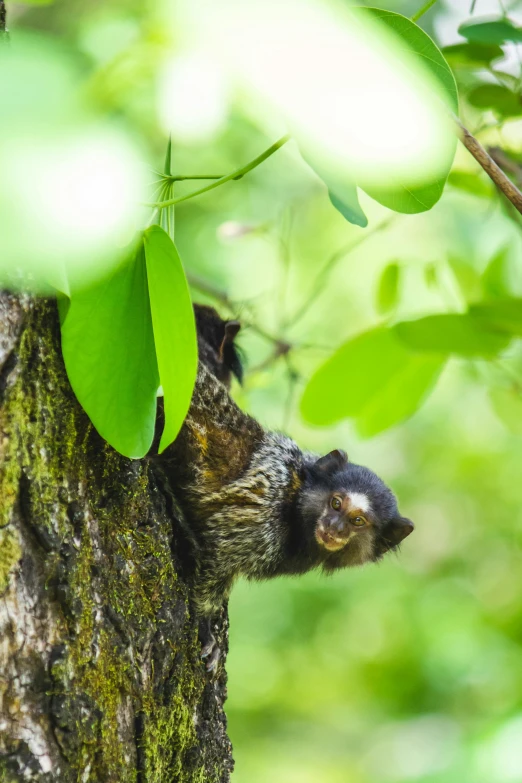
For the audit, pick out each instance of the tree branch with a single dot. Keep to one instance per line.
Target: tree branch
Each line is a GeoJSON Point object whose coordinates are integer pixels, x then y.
{"type": "Point", "coordinates": [494, 172]}
{"type": "Point", "coordinates": [3, 18]}
{"type": "Point", "coordinates": [100, 674]}
{"type": "Point", "coordinates": [506, 163]}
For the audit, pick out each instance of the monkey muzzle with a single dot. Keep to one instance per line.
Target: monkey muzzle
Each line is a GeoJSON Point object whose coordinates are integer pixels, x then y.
{"type": "Point", "coordinates": [331, 536]}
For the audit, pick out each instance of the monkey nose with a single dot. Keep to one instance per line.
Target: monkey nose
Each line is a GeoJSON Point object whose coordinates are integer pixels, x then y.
{"type": "Point", "coordinates": [337, 527]}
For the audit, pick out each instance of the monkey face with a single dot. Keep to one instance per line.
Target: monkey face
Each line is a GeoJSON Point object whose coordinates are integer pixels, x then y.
{"type": "Point", "coordinates": [350, 514]}
{"type": "Point", "coordinates": [346, 515]}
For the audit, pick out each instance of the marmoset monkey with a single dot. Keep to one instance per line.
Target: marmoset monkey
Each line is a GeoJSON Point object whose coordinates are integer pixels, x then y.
{"type": "Point", "coordinates": [255, 503]}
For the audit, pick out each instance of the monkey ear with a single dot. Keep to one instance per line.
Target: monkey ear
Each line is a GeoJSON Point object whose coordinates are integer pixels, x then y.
{"type": "Point", "coordinates": [397, 530]}
{"type": "Point", "coordinates": [231, 330]}
{"type": "Point", "coordinates": [335, 460]}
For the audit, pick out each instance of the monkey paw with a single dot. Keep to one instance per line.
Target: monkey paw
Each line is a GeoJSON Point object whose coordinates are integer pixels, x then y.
{"type": "Point", "coordinates": [211, 653]}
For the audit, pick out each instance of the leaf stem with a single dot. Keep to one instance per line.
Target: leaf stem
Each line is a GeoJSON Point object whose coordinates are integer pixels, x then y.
{"type": "Point", "coordinates": [222, 180]}
{"type": "Point", "coordinates": [422, 11]}
{"type": "Point", "coordinates": [183, 177]}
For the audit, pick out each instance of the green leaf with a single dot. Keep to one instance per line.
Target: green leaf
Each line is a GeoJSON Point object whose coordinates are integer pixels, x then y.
{"type": "Point", "coordinates": [468, 279]}
{"type": "Point", "coordinates": [495, 279]}
{"type": "Point", "coordinates": [471, 55]}
{"type": "Point", "coordinates": [108, 348]}
{"type": "Point", "coordinates": [371, 377]}
{"type": "Point", "coordinates": [422, 45]}
{"type": "Point", "coordinates": [507, 404]}
{"type": "Point", "coordinates": [491, 31]}
{"type": "Point", "coordinates": [401, 198]}
{"type": "Point", "coordinates": [58, 279]}
{"type": "Point", "coordinates": [452, 333]}
{"type": "Point", "coordinates": [401, 395]}
{"type": "Point", "coordinates": [505, 315]}
{"type": "Point", "coordinates": [421, 198]}
{"type": "Point", "coordinates": [388, 291]}
{"type": "Point", "coordinates": [408, 200]}
{"type": "Point", "coordinates": [496, 97]}
{"type": "Point", "coordinates": [474, 183]}
{"type": "Point", "coordinates": [174, 328]}
{"type": "Point", "coordinates": [342, 193]}
{"type": "Point", "coordinates": [348, 205]}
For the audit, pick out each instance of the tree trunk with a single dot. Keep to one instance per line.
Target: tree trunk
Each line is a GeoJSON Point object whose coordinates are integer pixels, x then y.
{"type": "Point", "coordinates": [100, 670]}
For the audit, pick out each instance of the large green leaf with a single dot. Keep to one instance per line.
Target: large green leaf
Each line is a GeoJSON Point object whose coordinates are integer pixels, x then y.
{"type": "Point", "coordinates": [505, 315]}
{"type": "Point", "coordinates": [108, 348]}
{"type": "Point", "coordinates": [404, 198]}
{"type": "Point", "coordinates": [401, 198]}
{"type": "Point", "coordinates": [491, 31]}
{"type": "Point", "coordinates": [453, 333]}
{"type": "Point", "coordinates": [401, 394]}
{"type": "Point", "coordinates": [373, 378]}
{"type": "Point", "coordinates": [174, 328]}
{"type": "Point", "coordinates": [496, 97]}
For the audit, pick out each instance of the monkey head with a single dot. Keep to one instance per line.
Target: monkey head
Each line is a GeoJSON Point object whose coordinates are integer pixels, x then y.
{"type": "Point", "coordinates": [349, 514]}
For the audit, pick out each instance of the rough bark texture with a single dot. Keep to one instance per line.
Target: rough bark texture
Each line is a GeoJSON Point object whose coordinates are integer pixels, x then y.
{"type": "Point", "coordinates": [100, 675]}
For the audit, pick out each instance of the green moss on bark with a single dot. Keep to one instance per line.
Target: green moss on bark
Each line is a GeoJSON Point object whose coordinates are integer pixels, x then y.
{"type": "Point", "coordinates": [126, 694]}
{"type": "Point", "coordinates": [10, 554]}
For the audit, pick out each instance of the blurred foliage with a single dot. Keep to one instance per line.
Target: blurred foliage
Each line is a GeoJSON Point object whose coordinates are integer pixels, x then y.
{"type": "Point", "coordinates": [410, 670]}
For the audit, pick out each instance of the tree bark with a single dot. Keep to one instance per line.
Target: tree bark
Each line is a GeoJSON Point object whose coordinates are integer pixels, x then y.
{"type": "Point", "coordinates": [100, 671]}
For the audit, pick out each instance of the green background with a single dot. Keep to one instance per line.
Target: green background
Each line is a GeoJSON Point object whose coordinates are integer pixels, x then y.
{"type": "Point", "coordinates": [409, 670]}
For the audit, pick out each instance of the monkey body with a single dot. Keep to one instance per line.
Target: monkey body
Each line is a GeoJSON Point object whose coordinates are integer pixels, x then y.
{"type": "Point", "coordinates": [238, 488]}
{"type": "Point", "coordinates": [255, 504]}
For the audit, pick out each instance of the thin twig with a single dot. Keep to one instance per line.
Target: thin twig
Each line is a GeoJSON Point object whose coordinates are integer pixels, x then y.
{"type": "Point", "coordinates": [209, 288]}
{"type": "Point", "coordinates": [221, 296]}
{"type": "Point", "coordinates": [3, 18]}
{"type": "Point", "coordinates": [494, 172]}
{"type": "Point", "coordinates": [285, 257]}
{"type": "Point", "coordinates": [322, 276]}
{"type": "Point", "coordinates": [293, 377]}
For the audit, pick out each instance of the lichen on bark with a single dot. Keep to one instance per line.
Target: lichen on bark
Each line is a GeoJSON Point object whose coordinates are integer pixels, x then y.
{"type": "Point", "coordinates": [100, 675]}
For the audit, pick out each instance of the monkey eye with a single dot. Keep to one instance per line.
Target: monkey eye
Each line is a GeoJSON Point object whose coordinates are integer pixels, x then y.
{"type": "Point", "coordinates": [336, 502]}
{"type": "Point", "coordinates": [359, 521]}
